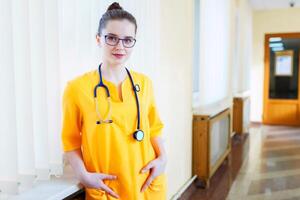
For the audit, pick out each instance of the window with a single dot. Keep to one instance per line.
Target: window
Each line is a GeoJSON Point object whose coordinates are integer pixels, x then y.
{"type": "Point", "coordinates": [196, 56]}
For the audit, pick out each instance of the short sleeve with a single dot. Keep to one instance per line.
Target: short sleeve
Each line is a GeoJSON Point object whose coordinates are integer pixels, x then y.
{"type": "Point", "coordinates": [155, 123]}
{"type": "Point", "coordinates": [71, 121]}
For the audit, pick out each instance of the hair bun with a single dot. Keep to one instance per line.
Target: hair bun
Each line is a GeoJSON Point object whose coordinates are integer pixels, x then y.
{"type": "Point", "coordinates": [114, 6]}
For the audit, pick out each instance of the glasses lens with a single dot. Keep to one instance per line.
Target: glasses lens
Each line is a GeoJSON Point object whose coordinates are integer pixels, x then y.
{"type": "Point", "coordinates": [111, 40]}
{"type": "Point", "coordinates": [128, 42]}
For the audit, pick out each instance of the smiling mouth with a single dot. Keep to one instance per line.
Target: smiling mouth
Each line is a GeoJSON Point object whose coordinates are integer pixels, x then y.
{"type": "Point", "coordinates": [118, 55]}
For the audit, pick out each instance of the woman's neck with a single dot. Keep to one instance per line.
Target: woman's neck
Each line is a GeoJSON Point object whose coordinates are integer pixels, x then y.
{"type": "Point", "coordinates": [113, 73]}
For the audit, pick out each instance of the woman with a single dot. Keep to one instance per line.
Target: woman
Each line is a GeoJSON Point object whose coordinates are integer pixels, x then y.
{"type": "Point", "coordinates": [111, 127]}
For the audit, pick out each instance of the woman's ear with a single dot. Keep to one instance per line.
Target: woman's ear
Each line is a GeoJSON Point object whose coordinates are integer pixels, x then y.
{"type": "Point", "coordinates": [98, 40]}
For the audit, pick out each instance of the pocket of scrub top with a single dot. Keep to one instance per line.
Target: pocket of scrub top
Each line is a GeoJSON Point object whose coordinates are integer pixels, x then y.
{"type": "Point", "coordinates": [114, 185]}
{"type": "Point", "coordinates": [158, 183]}
{"type": "Point", "coordinates": [94, 193]}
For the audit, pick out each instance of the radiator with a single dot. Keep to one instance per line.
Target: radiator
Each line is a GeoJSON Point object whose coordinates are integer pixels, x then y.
{"type": "Point", "coordinates": [211, 143]}
{"type": "Point", "coordinates": [241, 114]}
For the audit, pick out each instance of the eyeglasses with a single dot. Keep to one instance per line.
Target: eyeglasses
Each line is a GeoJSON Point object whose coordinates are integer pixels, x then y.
{"type": "Point", "coordinates": [114, 41]}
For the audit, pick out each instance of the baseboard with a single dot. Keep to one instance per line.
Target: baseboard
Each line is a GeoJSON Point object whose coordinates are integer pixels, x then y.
{"type": "Point", "coordinates": [184, 188]}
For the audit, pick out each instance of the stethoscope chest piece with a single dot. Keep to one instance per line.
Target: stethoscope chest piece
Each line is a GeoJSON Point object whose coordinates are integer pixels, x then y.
{"type": "Point", "coordinates": [138, 135]}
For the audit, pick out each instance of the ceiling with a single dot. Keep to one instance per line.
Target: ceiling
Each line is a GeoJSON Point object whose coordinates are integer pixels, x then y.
{"type": "Point", "coordinates": [272, 4]}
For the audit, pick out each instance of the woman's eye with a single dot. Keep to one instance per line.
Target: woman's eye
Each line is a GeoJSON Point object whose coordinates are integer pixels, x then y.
{"type": "Point", "coordinates": [128, 41]}
{"type": "Point", "coordinates": [112, 38]}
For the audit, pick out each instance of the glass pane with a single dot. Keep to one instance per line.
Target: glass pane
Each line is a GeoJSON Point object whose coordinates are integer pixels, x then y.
{"type": "Point", "coordinates": [284, 66]}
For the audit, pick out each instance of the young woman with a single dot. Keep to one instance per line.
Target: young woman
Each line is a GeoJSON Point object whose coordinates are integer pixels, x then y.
{"type": "Point", "coordinates": [111, 127]}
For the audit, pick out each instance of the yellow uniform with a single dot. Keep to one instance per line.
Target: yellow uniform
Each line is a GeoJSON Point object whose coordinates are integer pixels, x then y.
{"type": "Point", "coordinates": [111, 148]}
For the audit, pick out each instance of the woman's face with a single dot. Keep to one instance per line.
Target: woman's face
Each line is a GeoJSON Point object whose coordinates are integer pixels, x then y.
{"type": "Point", "coordinates": [118, 54]}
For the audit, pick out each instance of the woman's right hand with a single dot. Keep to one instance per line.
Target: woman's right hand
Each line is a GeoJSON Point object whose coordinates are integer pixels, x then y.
{"type": "Point", "coordinates": [88, 179]}
{"type": "Point", "coordinates": [95, 180]}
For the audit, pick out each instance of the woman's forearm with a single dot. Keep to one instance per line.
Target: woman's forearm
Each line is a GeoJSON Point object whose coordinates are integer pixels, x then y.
{"type": "Point", "coordinates": [76, 161]}
{"type": "Point", "coordinates": [158, 145]}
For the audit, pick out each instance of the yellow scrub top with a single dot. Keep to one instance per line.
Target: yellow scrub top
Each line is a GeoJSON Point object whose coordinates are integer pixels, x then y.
{"type": "Point", "coordinates": [111, 148]}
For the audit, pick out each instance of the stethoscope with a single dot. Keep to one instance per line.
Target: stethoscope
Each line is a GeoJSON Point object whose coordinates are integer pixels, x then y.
{"type": "Point", "coordinates": [138, 134]}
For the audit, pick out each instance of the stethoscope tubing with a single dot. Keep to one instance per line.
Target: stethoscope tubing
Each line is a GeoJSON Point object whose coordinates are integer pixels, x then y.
{"type": "Point", "coordinates": [134, 88]}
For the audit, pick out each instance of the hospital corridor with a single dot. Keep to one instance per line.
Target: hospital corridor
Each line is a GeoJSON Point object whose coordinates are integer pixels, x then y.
{"type": "Point", "coordinates": [150, 100]}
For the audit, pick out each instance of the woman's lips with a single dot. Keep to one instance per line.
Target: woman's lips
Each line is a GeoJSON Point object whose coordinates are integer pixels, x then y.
{"type": "Point", "coordinates": [119, 56]}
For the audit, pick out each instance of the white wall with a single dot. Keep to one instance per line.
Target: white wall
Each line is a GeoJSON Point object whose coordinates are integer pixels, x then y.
{"type": "Point", "coordinates": [274, 21]}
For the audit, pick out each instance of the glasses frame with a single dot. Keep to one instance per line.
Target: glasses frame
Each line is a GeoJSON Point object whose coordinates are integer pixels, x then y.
{"type": "Point", "coordinates": [105, 37]}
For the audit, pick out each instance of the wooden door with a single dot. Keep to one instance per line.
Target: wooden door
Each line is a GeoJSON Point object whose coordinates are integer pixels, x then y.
{"type": "Point", "coordinates": [281, 79]}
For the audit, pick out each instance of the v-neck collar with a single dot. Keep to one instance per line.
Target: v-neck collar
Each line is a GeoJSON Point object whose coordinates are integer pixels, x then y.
{"type": "Point", "coordinates": [113, 89]}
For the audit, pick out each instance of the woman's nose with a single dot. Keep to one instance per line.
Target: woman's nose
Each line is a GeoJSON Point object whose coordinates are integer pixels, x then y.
{"type": "Point", "coordinates": [120, 45]}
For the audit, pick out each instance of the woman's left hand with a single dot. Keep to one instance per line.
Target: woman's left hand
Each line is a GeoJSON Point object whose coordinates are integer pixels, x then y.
{"type": "Point", "coordinates": [156, 167]}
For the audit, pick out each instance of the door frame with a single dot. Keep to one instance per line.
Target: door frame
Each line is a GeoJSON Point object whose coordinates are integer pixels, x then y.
{"type": "Point", "coordinates": [266, 99]}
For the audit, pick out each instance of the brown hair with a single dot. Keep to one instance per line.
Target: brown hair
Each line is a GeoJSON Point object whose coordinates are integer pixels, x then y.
{"type": "Point", "coordinates": [115, 12]}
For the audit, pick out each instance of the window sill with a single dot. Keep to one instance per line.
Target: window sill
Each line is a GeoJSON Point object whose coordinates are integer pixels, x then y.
{"type": "Point", "coordinates": [53, 189]}
{"type": "Point", "coordinates": [213, 109]}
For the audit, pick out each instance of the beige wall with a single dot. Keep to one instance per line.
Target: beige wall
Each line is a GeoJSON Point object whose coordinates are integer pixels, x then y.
{"type": "Point", "coordinates": [176, 85]}
{"type": "Point", "coordinates": [275, 21]}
